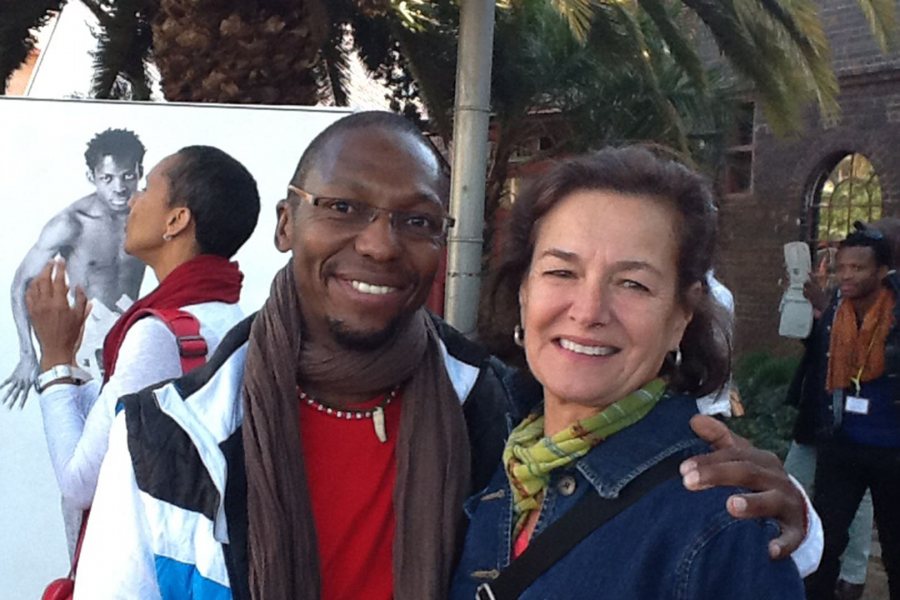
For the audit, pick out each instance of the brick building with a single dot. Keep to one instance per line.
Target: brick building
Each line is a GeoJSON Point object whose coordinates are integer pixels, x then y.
{"type": "Point", "coordinates": [781, 190]}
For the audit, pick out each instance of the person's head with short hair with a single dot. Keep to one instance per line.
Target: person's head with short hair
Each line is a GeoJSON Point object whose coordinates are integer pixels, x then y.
{"type": "Point", "coordinates": [373, 119]}
{"type": "Point", "coordinates": [863, 260]}
{"type": "Point", "coordinates": [890, 227]}
{"type": "Point", "coordinates": [200, 199]}
{"type": "Point", "coordinates": [114, 160]}
{"type": "Point", "coordinates": [606, 255]}
{"type": "Point", "coordinates": [365, 220]}
{"type": "Point", "coordinates": [221, 195]}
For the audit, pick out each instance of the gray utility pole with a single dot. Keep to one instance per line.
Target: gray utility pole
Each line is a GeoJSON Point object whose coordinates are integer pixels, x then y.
{"type": "Point", "coordinates": [470, 146]}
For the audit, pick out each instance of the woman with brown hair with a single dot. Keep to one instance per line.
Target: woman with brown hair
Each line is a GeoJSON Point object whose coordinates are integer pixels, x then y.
{"type": "Point", "coordinates": [606, 262]}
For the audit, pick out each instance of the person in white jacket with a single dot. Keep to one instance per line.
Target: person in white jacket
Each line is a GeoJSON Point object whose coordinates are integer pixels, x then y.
{"type": "Point", "coordinates": [198, 207]}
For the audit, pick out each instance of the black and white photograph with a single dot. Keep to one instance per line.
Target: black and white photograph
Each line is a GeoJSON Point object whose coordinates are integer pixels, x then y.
{"type": "Point", "coordinates": [70, 168]}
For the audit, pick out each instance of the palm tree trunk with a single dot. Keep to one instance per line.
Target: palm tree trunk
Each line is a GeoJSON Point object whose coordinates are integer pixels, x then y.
{"type": "Point", "coordinates": [239, 51]}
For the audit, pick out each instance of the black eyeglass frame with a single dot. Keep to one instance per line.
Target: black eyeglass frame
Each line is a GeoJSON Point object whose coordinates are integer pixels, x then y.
{"type": "Point", "coordinates": [313, 200]}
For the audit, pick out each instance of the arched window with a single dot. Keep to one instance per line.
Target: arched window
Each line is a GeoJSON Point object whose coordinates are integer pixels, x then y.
{"type": "Point", "coordinates": [850, 192]}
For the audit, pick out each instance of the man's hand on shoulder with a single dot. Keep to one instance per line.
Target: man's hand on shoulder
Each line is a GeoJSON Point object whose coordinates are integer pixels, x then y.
{"type": "Point", "coordinates": [735, 462]}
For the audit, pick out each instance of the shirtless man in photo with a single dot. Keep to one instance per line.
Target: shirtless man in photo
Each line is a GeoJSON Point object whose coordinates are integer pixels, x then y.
{"type": "Point", "coordinates": [88, 234]}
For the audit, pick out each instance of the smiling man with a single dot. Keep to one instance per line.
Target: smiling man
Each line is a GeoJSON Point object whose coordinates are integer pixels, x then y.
{"type": "Point", "coordinates": [88, 234]}
{"type": "Point", "coordinates": [327, 448]}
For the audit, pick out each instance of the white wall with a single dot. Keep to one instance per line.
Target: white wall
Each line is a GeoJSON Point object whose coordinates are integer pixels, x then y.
{"type": "Point", "coordinates": [41, 159]}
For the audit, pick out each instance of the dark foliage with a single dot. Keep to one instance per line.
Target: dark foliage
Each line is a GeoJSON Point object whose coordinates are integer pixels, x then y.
{"type": "Point", "coordinates": [18, 20]}
{"type": "Point", "coordinates": [763, 380]}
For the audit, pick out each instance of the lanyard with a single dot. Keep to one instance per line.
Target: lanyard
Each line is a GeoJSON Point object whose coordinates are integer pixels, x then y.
{"type": "Point", "coordinates": [857, 381]}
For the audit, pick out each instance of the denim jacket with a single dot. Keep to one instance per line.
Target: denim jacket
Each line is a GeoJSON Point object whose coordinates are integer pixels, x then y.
{"type": "Point", "coordinates": [671, 544]}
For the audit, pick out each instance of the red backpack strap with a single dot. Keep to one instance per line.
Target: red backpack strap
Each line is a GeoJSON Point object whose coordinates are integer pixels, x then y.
{"type": "Point", "coordinates": [192, 350]}
{"type": "Point", "coordinates": [192, 347]}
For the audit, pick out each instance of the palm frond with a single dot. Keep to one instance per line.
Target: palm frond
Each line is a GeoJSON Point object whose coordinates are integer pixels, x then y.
{"type": "Point", "coordinates": [18, 22]}
{"type": "Point", "coordinates": [97, 7]}
{"type": "Point", "coordinates": [802, 38]}
{"type": "Point", "coordinates": [124, 40]}
{"type": "Point", "coordinates": [333, 69]}
{"type": "Point", "coordinates": [428, 54]}
{"type": "Point", "coordinates": [578, 14]}
{"type": "Point", "coordinates": [415, 15]}
{"type": "Point", "coordinates": [373, 41]}
{"type": "Point", "coordinates": [680, 47]}
{"type": "Point", "coordinates": [641, 54]}
{"type": "Point", "coordinates": [750, 50]}
{"type": "Point", "coordinates": [881, 15]}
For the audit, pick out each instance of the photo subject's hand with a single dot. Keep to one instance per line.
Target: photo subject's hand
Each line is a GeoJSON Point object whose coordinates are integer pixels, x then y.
{"type": "Point", "coordinates": [57, 325]}
{"type": "Point", "coordinates": [735, 462]}
{"type": "Point", "coordinates": [16, 387]}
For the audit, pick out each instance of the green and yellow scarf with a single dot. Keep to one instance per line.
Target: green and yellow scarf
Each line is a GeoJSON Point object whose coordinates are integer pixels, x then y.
{"type": "Point", "coordinates": [529, 456]}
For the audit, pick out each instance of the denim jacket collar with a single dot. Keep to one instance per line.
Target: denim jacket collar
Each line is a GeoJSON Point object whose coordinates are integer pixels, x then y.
{"type": "Point", "coordinates": [617, 460]}
{"type": "Point", "coordinates": [614, 463]}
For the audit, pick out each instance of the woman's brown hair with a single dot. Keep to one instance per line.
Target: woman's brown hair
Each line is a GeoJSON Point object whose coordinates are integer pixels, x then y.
{"type": "Point", "coordinates": [706, 344]}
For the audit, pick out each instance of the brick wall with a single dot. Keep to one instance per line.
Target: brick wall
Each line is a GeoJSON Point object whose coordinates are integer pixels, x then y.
{"type": "Point", "coordinates": [756, 225]}
{"type": "Point", "coordinates": [853, 49]}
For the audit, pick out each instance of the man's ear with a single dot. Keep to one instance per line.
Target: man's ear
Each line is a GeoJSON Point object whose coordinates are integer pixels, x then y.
{"type": "Point", "coordinates": [90, 176]}
{"type": "Point", "coordinates": [284, 227]}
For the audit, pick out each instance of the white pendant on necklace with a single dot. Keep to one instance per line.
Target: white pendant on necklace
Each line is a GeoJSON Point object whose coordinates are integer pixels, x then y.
{"type": "Point", "coordinates": [378, 423]}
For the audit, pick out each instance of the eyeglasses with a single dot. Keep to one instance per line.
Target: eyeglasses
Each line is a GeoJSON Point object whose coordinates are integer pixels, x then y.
{"type": "Point", "coordinates": [356, 214]}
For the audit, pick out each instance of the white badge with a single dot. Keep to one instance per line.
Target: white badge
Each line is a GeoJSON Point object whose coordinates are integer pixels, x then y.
{"type": "Point", "coordinates": [857, 405]}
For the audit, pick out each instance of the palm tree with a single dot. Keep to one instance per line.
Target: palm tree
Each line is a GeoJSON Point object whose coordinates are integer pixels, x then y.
{"type": "Point", "coordinates": [271, 51]}
{"type": "Point", "coordinates": [123, 48]}
{"type": "Point", "coordinates": [243, 51]}
{"type": "Point", "coordinates": [627, 70]}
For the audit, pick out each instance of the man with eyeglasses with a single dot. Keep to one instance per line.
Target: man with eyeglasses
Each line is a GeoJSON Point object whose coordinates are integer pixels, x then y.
{"type": "Point", "coordinates": [327, 448]}
{"type": "Point", "coordinates": [849, 389]}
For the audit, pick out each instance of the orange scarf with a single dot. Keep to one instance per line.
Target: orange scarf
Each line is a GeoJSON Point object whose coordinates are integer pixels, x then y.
{"type": "Point", "coordinates": [859, 352]}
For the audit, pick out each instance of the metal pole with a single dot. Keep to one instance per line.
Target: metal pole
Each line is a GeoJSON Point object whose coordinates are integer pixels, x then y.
{"type": "Point", "coordinates": [43, 52]}
{"type": "Point", "coordinates": [470, 149]}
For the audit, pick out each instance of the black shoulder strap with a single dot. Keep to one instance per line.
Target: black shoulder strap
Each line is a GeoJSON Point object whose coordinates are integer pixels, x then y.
{"type": "Point", "coordinates": [559, 538]}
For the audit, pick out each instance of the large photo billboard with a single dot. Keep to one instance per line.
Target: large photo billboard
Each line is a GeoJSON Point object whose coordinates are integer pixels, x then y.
{"type": "Point", "coordinates": [69, 167]}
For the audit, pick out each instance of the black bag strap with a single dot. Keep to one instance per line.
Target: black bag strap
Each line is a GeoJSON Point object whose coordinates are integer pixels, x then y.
{"type": "Point", "coordinates": [558, 539]}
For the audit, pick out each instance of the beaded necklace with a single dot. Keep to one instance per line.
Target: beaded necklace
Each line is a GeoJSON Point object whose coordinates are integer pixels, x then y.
{"type": "Point", "coordinates": [376, 414]}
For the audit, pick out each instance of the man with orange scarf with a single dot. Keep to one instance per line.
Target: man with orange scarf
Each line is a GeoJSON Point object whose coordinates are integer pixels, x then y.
{"type": "Point", "coordinates": [851, 376]}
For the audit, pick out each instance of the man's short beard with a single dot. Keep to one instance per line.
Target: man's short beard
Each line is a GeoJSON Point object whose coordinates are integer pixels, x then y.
{"type": "Point", "coordinates": [364, 340]}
